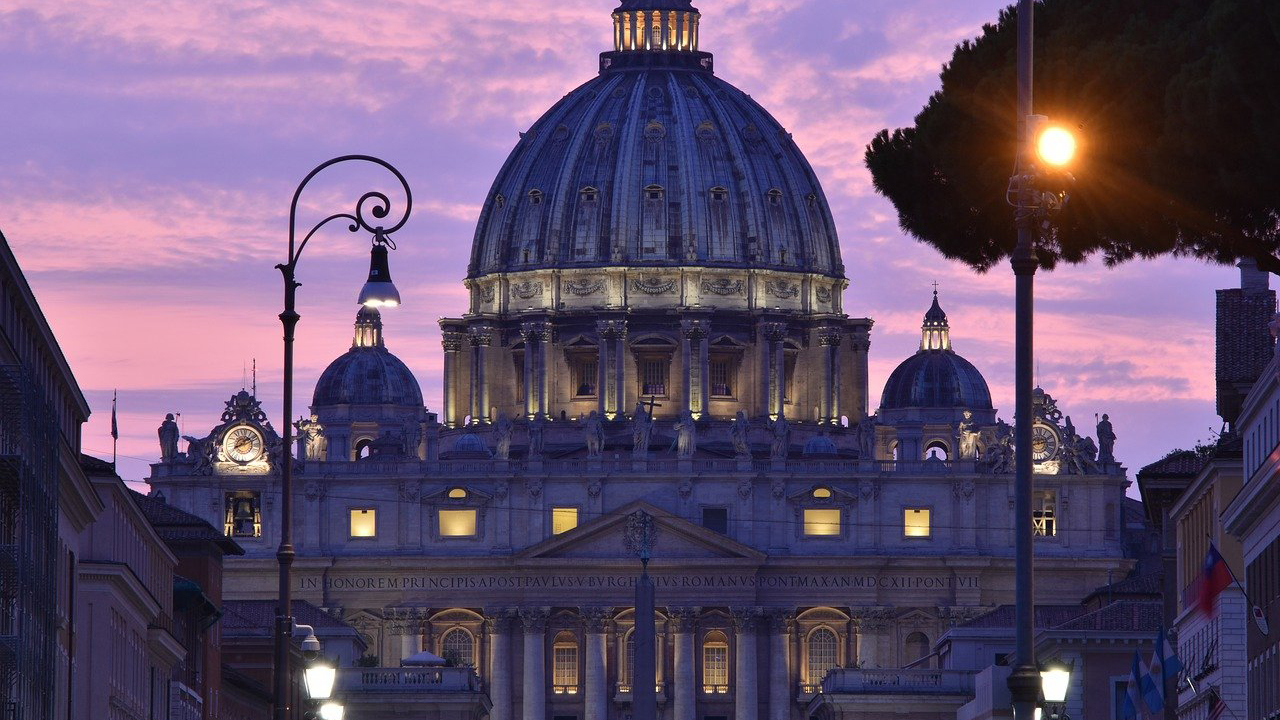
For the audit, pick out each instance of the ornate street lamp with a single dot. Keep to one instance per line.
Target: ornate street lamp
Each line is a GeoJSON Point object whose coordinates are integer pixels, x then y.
{"type": "Point", "coordinates": [370, 212]}
{"type": "Point", "coordinates": [1042, 153]}
{"type": "Point", "coordinates": [332, 711]}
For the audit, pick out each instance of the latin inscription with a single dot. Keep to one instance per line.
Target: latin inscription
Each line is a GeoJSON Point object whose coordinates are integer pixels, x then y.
{"type": "Point", "coordinates": [602, 582]}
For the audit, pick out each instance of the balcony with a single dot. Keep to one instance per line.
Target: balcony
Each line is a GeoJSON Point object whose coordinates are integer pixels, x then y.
{"type": "Point", "coordinates": [849, 680]}
{"type": "Point", "coordinates": [444, 679]}
{"type": "Point", "coordinates": [922, 694]}
{"type": "Point", "coordinates": [453, 693]}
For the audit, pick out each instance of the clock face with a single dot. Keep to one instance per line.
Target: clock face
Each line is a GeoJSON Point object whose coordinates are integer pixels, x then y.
{"type": "Point", "coordinates": [242, 444]}
{"type": "Point", "coordinates": [1044, 443]}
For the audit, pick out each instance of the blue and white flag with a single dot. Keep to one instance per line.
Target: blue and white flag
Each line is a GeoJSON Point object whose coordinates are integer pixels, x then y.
{"type": "Point", "coordinates": [1169, 662]}
{"type": "Point", "coordinates": [1164, 665]}
{"type": "Point", "coordinates": [1133, 692]}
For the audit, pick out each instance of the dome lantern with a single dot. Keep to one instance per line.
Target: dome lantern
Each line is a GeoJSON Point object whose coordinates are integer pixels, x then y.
{"type": "Point", "coordinates": [368, 328]}
{"type": "Point", "coordinates": [655, 25]}
{"type": "Point", "coordinates": [935, 332]}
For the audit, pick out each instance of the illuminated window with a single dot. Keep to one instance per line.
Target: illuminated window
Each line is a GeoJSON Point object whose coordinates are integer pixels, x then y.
{"type": "Point", "coordinates": [822, 521]}
{"type": "Point", "coordinates": [563, 519]}
{"type": "Point", "coordinates": [364, 523]}
{"type": "Point", "coordinates": [915, 522]}
{"type": "Point", "coordinates": [629, 661]}
{"type": "Point", "coordinates": [243, 515]}
{"type": "Point", "coordinates": [457, 523]}
{"type": "Point", "coordinates": [822, 654]}
{"type": "Point", "coordinates": [1044, 506]}
{"type": "Point", "coordinates": [821, 493]}
{"type": "Point", "coordinates": [564, 658]}
{"type": "Point", "coordinates": [458, 646]}
{"type": "Point", "coordinates": [715, 663]}
{"type": "Point", "coordinates": [457, 493]}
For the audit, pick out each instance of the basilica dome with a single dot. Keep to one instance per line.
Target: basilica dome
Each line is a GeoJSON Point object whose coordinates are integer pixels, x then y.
{"type": "Point", "coordinates": [656, 162]}
{"type": "Point", "coordinates": [367, 374]}
{"type": "Point", "coordinates": [936, 376]}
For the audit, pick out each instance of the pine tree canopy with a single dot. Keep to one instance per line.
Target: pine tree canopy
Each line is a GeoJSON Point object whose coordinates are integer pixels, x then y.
{"type": "Point", "coordinates": [1176, 107]}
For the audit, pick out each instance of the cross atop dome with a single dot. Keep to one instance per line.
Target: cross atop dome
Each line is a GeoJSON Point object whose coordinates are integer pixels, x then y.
{"type": "Point", "coordinates": [655, 26]}
{"type": "Point", "coordinates": [935, 333]}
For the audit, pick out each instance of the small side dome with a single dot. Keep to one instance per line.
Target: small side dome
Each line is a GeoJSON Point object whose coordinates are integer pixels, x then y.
{"type": "Point", "coordinates": [367, 374]}
{"type": "Point", "coordinates": [819, 446]}
{"type": "Point", "coordinates": [470, 446]}
{"type": "Point", "coordinates": [936, 376]}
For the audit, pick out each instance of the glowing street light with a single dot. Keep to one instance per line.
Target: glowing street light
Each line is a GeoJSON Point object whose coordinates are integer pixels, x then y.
{"type": "Point", "coordinates": [1055, 677]}
{"type": "Point", "coordinates": [1056, 146]}
{"type": "Point", "coordinates": [332, 711]}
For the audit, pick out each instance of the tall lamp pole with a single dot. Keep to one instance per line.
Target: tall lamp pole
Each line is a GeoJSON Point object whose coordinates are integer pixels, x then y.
{"type": "Point", "coordinates": [1024, 680]}
{"type": "Point", "coordinates": [370, 211]}
{"type": "Point", "coordinates": [1042, 150]}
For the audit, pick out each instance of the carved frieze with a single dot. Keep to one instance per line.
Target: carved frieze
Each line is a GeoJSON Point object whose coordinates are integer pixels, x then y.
{"type": "Point", "coordinates": [654, 285]}
{"type": "Point", "coordinates": [527, 289]}
{"type": "Point", "coordinates": [781, 288]}
{"type": "Point", "coordinates": [722, 286]}
{"type": "Point", "coordinates": [584, 287]}
{"type": "Point", "coordinates": [486, 292]}
{"type": "Point", "coordinates": [824, 294]}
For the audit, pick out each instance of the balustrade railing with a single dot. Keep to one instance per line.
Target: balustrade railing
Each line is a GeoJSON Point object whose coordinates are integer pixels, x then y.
{"type": "Point", "coordinates": [850, 680]}
{"type": "Point", "coordinates": [442, 679]}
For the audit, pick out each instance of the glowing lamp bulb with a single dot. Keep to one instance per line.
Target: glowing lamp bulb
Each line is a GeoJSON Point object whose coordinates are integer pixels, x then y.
{"type": "Point", "coordinates": [1056, 146]}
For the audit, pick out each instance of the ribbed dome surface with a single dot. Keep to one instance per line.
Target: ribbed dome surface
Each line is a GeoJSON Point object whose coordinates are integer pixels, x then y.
{"type": "Point", "coordinates": [936, 379]}
{"type": "Point", "coordinates": [656, 166]}
{"type": "Point", "coordinates": [367, 376]}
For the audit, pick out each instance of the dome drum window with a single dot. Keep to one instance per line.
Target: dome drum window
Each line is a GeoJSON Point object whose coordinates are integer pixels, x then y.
{"type": "Point", "coordinates": [654, 192]}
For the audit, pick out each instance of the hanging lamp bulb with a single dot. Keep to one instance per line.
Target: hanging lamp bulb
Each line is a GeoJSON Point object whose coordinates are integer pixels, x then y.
{"type": "Point", "coordinates": [379, 291]}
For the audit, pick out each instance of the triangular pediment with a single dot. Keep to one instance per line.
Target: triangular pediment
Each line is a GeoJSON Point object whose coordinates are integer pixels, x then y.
{"type": "Point", "coordinates": [676, 539]}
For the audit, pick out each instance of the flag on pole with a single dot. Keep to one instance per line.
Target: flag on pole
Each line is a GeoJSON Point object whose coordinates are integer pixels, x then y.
{"type": "Point", "coordinates": [1133, 692]}
{"type": "Point", "coordinates": [1150, 683]}
{"type": "Point", "coordinates": [1215, 577]}
{"type": "Point", "coordinates": [1164, 665]}
{"type": "Point", "coordinates": [1217, 708]}
{"type": "Point", "coordinates": [115, 429]}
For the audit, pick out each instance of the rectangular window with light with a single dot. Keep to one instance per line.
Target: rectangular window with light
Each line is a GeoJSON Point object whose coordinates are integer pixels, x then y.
{"type": "Point", "coordinates": [915, 523]}
{"type": "Point", "coordinates": [563, 519]}
{"type": "Point", "coordinates": [457, 523]}
{"type": "Point", "coordinates": [819, 522]}
{"type": "Point", "coordinates": [364, 523]}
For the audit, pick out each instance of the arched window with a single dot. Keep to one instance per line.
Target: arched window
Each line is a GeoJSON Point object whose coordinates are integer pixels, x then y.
{"type": "Point", "coordinates": [629, 661]}
{"type": "Point", "coordinates": [823, 653]}
{"type": "Point", "coordinates": [715, 663]}
{"type": "Point", "coordinates": [936, 449]}
{"type": "Point", "coordinates": [458, 646]}
{"type": "Point", "coordinates": [915, 647]}
{"type": "Point", "coordinates": [564, 661]}
{"type": "Point", "coordinates": [363, 447]}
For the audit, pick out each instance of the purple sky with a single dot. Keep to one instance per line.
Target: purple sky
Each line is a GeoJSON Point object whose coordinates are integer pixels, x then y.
{"type": "Point", "coordinates": [149, 149]}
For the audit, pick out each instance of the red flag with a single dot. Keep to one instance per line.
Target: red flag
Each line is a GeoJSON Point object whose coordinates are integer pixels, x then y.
{"type": "Point", "coordinates": [1214, 578]}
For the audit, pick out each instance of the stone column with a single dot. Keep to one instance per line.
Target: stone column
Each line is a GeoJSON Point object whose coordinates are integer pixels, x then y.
{"type": "Point", "coordinates": [684, 686]}
{"type": "Point", "coordinates": [693, 350]}
{"type": "Point", "coordinates": [544, 370]}
{"type": "Point", "coordinates": [452, 343]}
{"type": "Point", "coordinates": [746, 704]}
{"type": "Point", "coordinates": [534, 621]}
{"type": "Point", "coordinates": [530, 332]}
{"type": "Point", "coordinates": [780, 676]}
{"type": "Point", "coordinates": [410, 638]}
{"type": "Point", "coordinates": [596, 620]}
{"type": "Point", "coordinates": [856, 404]}
{"type": "Point", "coordinates": [870, 624]}
{"type": "Point", "coordinates": [481, 337]}
{"type": "Point", "coordinates": [613, 368]}
{"type": "Point", "coordinates": [773, 366]}
{"type": "Point", "coordinates": [499, 663]}
{"type": "Point", "coordinates": [829, 342]}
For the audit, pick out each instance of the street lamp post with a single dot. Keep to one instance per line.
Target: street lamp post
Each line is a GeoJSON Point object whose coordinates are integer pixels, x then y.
{"type": "Point", "coordinates": [370, 210]}
{"type": "Point", "coordinates": [1040, 148]}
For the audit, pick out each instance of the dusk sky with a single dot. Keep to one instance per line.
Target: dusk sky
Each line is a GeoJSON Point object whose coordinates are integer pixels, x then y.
{"type": "Point", "coordinates": [149, 150]}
